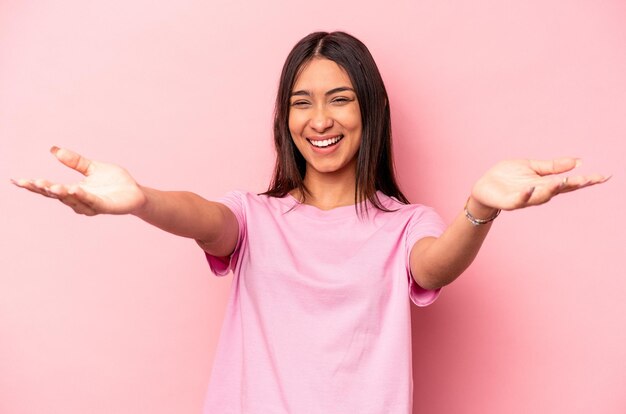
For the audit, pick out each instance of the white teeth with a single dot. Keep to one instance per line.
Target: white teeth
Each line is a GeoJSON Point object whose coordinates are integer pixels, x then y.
{"type": "Point", "coordinates": [326, 142]}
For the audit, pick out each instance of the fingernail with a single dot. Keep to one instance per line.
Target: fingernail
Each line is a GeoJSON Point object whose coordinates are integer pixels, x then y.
{"type": "Point", "coordinates": [579, 162]}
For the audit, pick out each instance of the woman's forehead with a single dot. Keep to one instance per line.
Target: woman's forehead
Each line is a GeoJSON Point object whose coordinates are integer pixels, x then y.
{"type": "Point", "coordinates": [321, 74]}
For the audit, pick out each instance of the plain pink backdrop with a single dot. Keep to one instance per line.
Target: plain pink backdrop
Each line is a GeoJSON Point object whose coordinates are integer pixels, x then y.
{"type": "Point", "coordinates": [107, 315]}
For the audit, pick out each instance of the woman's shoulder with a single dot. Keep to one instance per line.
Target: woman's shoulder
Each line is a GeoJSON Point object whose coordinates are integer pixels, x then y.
{"type": "Point", "coordinates": [419, 218]}
{"type": "Point", "coordinates": [392, 203]}
{"type": "Point", "coordinates": [248, 199]}
{"type": "Point", "coordinates": [409, 212]}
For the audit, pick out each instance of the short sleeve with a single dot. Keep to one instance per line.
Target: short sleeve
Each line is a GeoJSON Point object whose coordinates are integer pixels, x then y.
{"type": "Point", "coordinates": [425, 222]}
{"type": "Point", "coordinates": [220, 266]}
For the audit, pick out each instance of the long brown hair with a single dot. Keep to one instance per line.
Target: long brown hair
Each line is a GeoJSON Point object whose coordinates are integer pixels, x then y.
{"type": "Point", "coordinates": [374, 169]}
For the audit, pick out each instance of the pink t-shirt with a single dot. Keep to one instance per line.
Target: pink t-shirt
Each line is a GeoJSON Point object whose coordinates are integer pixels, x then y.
{"type": "Point", "coordinates": [318, 319]}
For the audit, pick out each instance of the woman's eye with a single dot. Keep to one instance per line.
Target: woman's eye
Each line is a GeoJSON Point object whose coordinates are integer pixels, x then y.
{"type": "Point", "coordinates": [341, 100]}
{"type": "Point", "coordinates": [299, 103]}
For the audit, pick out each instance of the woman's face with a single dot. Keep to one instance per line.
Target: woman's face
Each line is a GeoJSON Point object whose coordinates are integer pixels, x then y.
{"type": "Point", "coordinates": [324, 118]}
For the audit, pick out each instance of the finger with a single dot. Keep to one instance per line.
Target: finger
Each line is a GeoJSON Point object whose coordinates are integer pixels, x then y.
{"type": "Point", "coordinates": [523, 198]}
{"type": "Point", "coordinates": [543, 193]}
{"type": "Point", "coordinates": [577, 182]}
{"type": "Point", "coordinates": [78, 207]}
{"type": "Point", "coordinates": [555, 166]}
{"type": "Point", "coordinates": [74, 195]}
{"type": "Point", "coordinates": [88, 199]}
{"type": "Point", "coordinates": [75, 203]}
{"type": "Point", "coordinates": [72, 159]}
{"type": "Point", "coordinates": [38, 186]}
{"type": "Point", "coordinates": [44, 186]}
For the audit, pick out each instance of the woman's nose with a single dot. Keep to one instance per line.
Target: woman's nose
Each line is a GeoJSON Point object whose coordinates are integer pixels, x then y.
{"type": "Point", "coordinates": [321, 120]}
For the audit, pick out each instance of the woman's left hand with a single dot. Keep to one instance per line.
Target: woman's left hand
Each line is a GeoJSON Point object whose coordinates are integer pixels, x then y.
{"type": "Point", "coordinates": [514, 184]}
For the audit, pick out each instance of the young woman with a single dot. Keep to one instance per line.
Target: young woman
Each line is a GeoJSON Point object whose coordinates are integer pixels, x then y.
{"type": "Point", "coordinates": [326, 260]}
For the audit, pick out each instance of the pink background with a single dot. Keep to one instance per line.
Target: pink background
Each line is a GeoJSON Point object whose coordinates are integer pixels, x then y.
{"type": "Point", "coordinates": [107, 315]}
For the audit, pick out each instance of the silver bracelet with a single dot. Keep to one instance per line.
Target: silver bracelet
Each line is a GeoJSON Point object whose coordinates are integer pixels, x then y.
{"type": "Point", "coordinates": [476, 221]}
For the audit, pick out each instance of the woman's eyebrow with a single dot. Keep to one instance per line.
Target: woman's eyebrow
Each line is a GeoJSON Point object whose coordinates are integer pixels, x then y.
{"type": "Point", "coordinates": [339, 89]}
{"type": "Point", "coordinates": [330, 92]}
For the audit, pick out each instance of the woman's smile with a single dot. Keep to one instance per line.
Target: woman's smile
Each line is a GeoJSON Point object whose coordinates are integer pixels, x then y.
{"type": "Point", "coordinates": [323, 143]}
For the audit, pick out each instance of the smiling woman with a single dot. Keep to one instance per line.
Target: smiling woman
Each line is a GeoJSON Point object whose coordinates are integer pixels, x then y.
{"type": "Point", "coordinates": [330, 82]}
{"type": "Point", "coordinates": [326, 261]}
{"type": "Point", "coordinates": [325, 125]}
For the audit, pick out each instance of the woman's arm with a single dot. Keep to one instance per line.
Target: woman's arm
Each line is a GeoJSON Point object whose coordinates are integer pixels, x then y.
{"type": "Point", "coordinates": [186, 214]}
{"type": "Point", "coordinates": [110, 189]}
{"type": "Point", "coordinates": [510, 185]}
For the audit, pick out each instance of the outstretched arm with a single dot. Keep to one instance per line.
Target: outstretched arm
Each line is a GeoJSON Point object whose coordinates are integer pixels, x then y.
{"type": "Point", "coordinates": [110, 189]}
{"type": "Point", "coordinates": [509, 185]}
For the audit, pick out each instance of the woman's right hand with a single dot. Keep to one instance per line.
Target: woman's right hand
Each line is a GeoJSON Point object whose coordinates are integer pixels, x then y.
{"type": "Point", "coordinates": [106, 188]}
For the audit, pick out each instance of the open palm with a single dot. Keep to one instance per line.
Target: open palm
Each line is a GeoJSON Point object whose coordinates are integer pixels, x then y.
{"type": "Point", "coordinates": [514, 184]}
{"type": "Point", "coordinates": [106, 188]}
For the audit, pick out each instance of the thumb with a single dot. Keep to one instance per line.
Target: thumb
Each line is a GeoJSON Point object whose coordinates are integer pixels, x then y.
{"type": "Point", "coordinates": [554, 166]}
{"type": "Point", "coordinates": [72, 159]}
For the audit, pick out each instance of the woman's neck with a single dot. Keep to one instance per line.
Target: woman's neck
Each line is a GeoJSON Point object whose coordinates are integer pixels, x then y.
{"type": "Point", "coordinates": [329, 190]}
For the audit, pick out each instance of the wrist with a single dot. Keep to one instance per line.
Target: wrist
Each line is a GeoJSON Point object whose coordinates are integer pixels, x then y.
{"type": "Point", "coordinates": [478, 213]}
{"type": "Point", "coordinates": [142, 209]}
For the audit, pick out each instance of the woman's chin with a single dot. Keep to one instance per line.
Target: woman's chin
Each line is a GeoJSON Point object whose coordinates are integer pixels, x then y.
{"type": "Point", "coordinates": [332, 168]}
